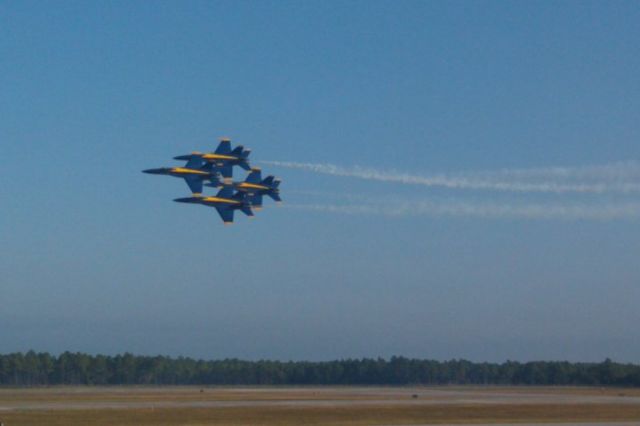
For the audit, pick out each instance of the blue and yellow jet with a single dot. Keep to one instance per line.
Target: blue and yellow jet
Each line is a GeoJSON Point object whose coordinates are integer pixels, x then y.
{"type": "Point", "coordinates": [225, 202]}
{"type": "Point", "coordinates": [224, 158]}
{"type": "Point", "coordinates": [254, 186]}
{"type": "Point", "coordinates": [194, 173]}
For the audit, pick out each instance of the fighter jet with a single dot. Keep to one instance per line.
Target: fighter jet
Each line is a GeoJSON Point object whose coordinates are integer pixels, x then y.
{"type": "Point", "coordinates": [194, 173]}
{"type": "Point", "coordinates": [225, 202]}
{"type": "Point", "coordinates": [223, 158]}
{"type": "Point", "coordinates": [254, 186]}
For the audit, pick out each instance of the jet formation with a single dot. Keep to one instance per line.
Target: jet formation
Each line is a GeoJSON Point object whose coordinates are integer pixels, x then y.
{"type": "Point", "coordinates": [215, 170]}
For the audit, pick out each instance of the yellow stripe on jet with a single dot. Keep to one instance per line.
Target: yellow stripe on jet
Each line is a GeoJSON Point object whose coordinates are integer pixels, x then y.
{"type": "Point", "coordinates": [252, 185]}
{"type": "Point", "coordinates": [219, 157]}
{"type": "Point", "coordinates": [185, 171]}
{"type": "Point", "coordinates": [220, 200]}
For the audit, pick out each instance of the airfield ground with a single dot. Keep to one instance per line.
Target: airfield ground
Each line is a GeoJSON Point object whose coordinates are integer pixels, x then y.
{"type": "Point", "coordinates": [319, 406]}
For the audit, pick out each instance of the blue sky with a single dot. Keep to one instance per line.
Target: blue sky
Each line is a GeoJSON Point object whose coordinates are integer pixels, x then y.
{"type": "Point", "coordinates": [96, 257]}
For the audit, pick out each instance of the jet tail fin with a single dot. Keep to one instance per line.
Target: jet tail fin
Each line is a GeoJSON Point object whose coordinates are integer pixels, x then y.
{"type": "Point", "coordinates": [271, 182]}
{"type": "Point", "coordinates": [237, 151]}
{"type": "Point", "coordinates": [224, 147]}
{"type": "Point", "coordinates": [244, 159]}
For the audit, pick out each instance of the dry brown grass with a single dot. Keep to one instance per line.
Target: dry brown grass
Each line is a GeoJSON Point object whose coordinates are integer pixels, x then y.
{"type": "Point", "coordinates": [348, 416]}
{"type": "Point", "coordinates": [183, 394]}
{"type": "Point", "coordinates": [202, 394]}
{"type": "Point", "coordinates": [549, 390]}
{"type": "Point", "coordinates": [287, 406]}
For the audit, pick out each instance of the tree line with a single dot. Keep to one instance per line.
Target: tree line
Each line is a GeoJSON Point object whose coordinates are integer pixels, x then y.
{"type": "Point", "coordinates": [36, 369]}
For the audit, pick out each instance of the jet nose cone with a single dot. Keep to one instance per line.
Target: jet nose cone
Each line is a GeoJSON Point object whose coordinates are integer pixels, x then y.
{"type": "Point", "coordinates": [184, 200]}
{"type": "Point", "coordinates": [153, 171]}
{"type": "Point", "coordinates": [182, 157]}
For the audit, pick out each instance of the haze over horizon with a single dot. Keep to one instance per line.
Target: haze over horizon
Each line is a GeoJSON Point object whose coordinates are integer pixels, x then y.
{"type": "Point", "coordinates": [461, 180]}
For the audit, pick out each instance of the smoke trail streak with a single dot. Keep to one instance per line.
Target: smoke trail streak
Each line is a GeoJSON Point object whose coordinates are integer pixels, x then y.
{"type": "Point", "coordinates": [479, 182]}
{"type": "Point", "coordinates": [484, 210]}
{"type": "Point", "coordinates": [627, 170]}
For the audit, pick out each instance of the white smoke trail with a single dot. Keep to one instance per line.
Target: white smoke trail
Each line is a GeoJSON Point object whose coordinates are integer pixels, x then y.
{"type": "Point", "coordinates": [484, 181]}
{"type": "Point", "coordinates": [620, 171]}
{"type": "Point", "coordinates": [484, 210]}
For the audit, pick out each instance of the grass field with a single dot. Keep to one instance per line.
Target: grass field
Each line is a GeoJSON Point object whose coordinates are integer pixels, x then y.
{"type": "Point", "coordinates": [314, 405]}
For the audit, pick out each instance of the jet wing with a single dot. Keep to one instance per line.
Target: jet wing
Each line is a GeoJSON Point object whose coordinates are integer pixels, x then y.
{"type": "Point", "coordinates": [256, 201]}
{"type": "Point", "coordinates": [195, 184]}
{"type": "Point", "coordinates": [255, 176]}
{"type": "Point", "coordinates": [226, 214]}
{"type": "Point", "coordinates": [275, 196]}
{"type": "Point", "coordinates": [195, 162]}
{"type": "Point", "coordinates": [225, 192]}
{"type": "Point", "coordinates": [226, 170]}
{"type": "Point", "coordinates": [215, 181]}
